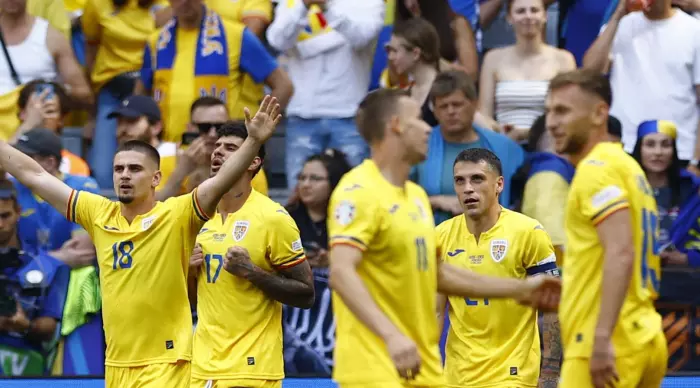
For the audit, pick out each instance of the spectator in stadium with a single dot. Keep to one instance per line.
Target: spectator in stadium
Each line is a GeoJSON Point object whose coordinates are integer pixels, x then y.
{"type": "Point", "coordinates": [29, 330]}
{"type": "Point", "coordinates": [35, 50]}
{"type": "Point", "coordinates": [329, 46]}
{"type": "Point", "coordinates": [312, 331]}
{"type": "Point", "coordinates": [455, 100]}
{"type": "Point", "coordinates": [580, 23]}
{"type": "Point", "coordinates": [192, 166]}
{"type": "Point", "coordinates": [215, 67]}
{"type": "Point", "coordinates": [660, 47]}
{"type": "Point", "coordinates": [54, 11]}
{"type": "Point", "coordinates": [675, 190]}
{"type": "Point", "coordinates": [115, 34]}
{"type": "Point", "coordinates": [138, 118]}
{"type": "Point", "coordinates": [514, 79]}
{"type": "Point", "coordinates": [45, 105]}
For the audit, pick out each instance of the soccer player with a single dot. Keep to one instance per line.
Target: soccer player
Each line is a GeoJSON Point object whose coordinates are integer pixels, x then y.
{"type": "Point", "coordinates": [143, 250]}
{"type": "Point", "coordinates": [384, 267]}
{"type": "Point", "coordinates": [495, 342]}
{"type": "Point", "coordinates": [238, 339]}
{"type": "Point", "coordinates": [611, 332]}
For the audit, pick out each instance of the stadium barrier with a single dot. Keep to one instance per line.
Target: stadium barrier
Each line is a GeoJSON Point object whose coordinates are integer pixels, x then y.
{"type": "Point", "coordinates": [679, 305]}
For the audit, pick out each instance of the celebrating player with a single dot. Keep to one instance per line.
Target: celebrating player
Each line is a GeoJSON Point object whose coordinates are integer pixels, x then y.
{"type": "Point", "coordinates": [495, 342]}
{"type": "Point", "coordinates": [384, 268]}
{"type": "Point", "coordinates": [143, 250]}
{"type": "Point", "coordinates": [610, 329]}
{"type": "Point", "coordinates": [238, 340]}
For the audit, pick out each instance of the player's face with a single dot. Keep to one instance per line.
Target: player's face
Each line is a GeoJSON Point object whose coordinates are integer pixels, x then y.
{"type": "Point", "coordinates": [135, 176]}
{"type": "Point", "coordinates": [657, 152]}
{"type": "Point", "coordinates": [454, 112]}
{"type": "Point", "coordinates": [413, 130]}
{"type": "Point", "coordinates": [477, 187]}
{"type": "Point", "coordinates": [9, 214]}
{"type": "Point", "coordinates": [314, 188]}
{"type": "Point", "coordinates": [134, 129]}
{"type": "Point", "coordinates": [225, 146]}
{"type": "Point", "coordinates": [527, 17]}
{"type": "Point", "coordinates": [571, 114]}
{"type": "Point", "coordinates": [402, 58]}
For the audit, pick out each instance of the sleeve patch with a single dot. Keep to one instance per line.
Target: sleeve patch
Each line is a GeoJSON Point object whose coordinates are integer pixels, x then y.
{"type": "Point", "coordinates": [296, 245]}
{"type": "Point", "coordinates": [344, 213]}
{"type": "Point", "coordinates": [605, 196]}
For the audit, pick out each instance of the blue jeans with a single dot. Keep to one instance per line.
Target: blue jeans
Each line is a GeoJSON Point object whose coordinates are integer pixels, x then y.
{"type": "Point", "coordinates": [104, 140]}
{"type": "Point", "coordinates": [308, 137]}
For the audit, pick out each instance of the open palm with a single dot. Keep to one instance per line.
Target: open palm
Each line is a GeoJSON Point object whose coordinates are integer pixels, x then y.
{"type": "Point", "coordinates": [261, 126]}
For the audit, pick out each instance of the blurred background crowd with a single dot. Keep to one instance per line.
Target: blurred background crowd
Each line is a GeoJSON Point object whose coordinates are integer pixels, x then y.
{"type": "Point", "coordinates": [79, 77]}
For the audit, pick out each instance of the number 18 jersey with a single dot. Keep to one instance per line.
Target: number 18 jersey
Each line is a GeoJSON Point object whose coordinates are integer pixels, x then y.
{"type": "Point", "coordinates": [606, 181]}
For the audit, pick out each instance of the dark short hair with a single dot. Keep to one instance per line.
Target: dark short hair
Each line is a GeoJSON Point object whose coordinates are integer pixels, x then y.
{"type": "Point", "coordinates": [8, 192]}
{"type": "Point", "coordinates": [588, 80]}
{"type": "Point", "coordinates": [30, 87]}
{"type": "Point", "coordinates": [206, 102]}
{"type": "Point", "coordinates": [451, 81]}
{"type": "Point", "coordinates": [478, 155]}
{"type": "Point", "coordinates": [375, 111]}
{"type": "Point", "coordinates": [141, 147]}
{"type": "Point", "coordinates": [236, 128]}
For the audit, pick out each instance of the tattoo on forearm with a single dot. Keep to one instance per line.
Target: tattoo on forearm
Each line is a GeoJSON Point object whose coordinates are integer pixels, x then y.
{"type": "Point", "coordinates": [551, 338]}
{"type": "Point", "coordinates": [292, 286]}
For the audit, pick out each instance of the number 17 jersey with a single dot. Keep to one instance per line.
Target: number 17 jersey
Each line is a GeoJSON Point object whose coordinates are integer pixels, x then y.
{"type": "Point", "coordinates": [606, 181]}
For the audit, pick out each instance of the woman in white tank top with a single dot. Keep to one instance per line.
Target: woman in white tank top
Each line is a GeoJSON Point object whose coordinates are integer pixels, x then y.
{"type": "Point", "coordinates": [514, 79]}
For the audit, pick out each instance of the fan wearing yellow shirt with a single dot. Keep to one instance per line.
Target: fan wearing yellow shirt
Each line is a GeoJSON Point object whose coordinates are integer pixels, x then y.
{"type": "Point", "coordinates": [612, 334]}
{"type": "Point", "coordinates": [143, 248]}
{"type": "Point", "coordinates": [251, 262]}
{"type": "Point", "coordinates": [495, 342]}
{"type": "Point", "coordinates": [384, 267]}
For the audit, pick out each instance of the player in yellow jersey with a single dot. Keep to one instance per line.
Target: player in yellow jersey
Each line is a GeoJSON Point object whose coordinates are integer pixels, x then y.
{"type": "Point", "coordinates": [495, 342]}
{"type": "Point", "coordinates": [143, 250]}
{"type": "Point", "coordinates": [384, 268]}
{"type": "Point", "coordinates": [611, 332]}
{"type": "Point", "coordinates": [251, 262]}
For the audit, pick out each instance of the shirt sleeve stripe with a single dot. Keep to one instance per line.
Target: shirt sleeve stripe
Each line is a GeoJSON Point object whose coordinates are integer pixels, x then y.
{"type": "Point", "coordinates": [197, 208]}
{"type": "Point", "coordinates": [298, 259]}
{"type": "Point", "coordinates": [608, 210]}
{"type": "Point", "coordinates": [349, 240]}
{"type": "Point", "coordinates": [542, 268]}
{"type": "Point", "coordinates": [72, 203]}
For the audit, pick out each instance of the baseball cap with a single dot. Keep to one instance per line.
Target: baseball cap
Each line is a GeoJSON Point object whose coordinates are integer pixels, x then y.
{"type": "Point", "coordinates": [136, 106]}
{"type": "Point", "coordinates": [40, 141]}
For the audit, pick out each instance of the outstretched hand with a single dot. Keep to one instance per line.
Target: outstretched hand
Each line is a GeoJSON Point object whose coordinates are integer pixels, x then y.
{"type": "Point", "coordinates": [261, 126]}
{"type": "Point", "coordinates": [541, 292]}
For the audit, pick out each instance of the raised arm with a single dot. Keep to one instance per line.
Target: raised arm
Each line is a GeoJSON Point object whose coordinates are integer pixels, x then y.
{"type": "Point", "coordinates": [31, 174]}
{"type": "Point", "coordinates": [260, 128]}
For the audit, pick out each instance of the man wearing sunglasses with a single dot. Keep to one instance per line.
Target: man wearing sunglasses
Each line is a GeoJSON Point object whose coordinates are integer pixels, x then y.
{"type": "Point", "coordinates": [207, 114]}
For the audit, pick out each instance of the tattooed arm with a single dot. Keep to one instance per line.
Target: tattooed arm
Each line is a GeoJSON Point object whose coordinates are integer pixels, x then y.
{"type": "Point", "coordinates": [552, 354]}
{"type": "Point", "coordinates": [293, 286]}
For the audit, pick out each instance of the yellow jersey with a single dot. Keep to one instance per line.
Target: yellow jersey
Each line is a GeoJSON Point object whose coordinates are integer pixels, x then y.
{"type": "Point", "coordinates": [239, 332]}
{"type": "Point", "coordinates": [394, 228]}
{"type": "Point", "coordinates": [607, 180]}
{"type": "Point", "coordinates": [54, 11]}
{"type": "Point", "coordinates": [143, 275]}
{"type": "Point", "coordinates": [494, 343]}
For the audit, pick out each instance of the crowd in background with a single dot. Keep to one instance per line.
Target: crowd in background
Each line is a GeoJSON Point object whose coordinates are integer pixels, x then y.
{"type": "Point", "coordinates": [80, 77]}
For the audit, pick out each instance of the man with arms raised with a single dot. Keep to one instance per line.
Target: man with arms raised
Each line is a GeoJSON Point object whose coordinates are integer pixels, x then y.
{"type": "Point", "coordinates": [143, 249]}
{"type": "Point", "coordinates": [495, 342]}
{"type": "Point", "coordinates": [384, 266]}
{"type": "Point", "coordinates": [238, 339]}
{"type": "Point", "coordinates": [611, 332]}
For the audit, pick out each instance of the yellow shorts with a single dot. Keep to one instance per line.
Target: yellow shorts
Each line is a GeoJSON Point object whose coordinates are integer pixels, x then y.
{"type": "Point", "coordinates": [644, 369]}
{"type": "Point", "coordinates": [175, 375]}
{"type": "Point", "coordinates": [239, 383]}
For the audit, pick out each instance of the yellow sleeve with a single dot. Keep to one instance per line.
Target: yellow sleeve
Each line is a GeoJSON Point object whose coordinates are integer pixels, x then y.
{"type": "Point", "coordinates": [599, 191]}
{"type": "Point", "coordinates": [285, 248]}
{"type": "Point", "coordinates": [90, 22]}
{"type": "Point", "coordinates": [84, 207]}
{"type": "Point", "coordinates": [260, 183]}
{"type": "Point", "coordinates": [193, 217]}
{"type": "Point", "coordinates": [441, 235]}
{"type": "Point", "coordinates": [54, 11]}
{"type": "Point", "coordinates": [544, 199]}
{"type": "Point", "coordinates": [539, 255]}
{"type": "Point", "coordinates": [257, 9]}
{"type": "Point", "coordinates": [352, 218]}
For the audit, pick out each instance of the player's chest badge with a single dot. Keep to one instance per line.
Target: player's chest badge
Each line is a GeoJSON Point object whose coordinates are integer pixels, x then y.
{"type": "Point", "coordinates": [498, 250]}
{"type": "Point", "coordinates": [240, 228]}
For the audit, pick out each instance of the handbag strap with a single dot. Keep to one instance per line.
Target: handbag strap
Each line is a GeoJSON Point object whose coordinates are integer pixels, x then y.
{"type": "Point", "coordinates": [13, 72]}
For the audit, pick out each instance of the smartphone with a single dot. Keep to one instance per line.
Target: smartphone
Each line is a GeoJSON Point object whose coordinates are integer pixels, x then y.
{"type": "Point", "coordinates": [44, 86]}
{"type": "Point", "coordinates": [188, 137]}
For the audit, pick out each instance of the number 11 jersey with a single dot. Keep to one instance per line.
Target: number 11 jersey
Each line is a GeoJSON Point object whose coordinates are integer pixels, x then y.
{"type": "Point", "coordinates": [143, 275]}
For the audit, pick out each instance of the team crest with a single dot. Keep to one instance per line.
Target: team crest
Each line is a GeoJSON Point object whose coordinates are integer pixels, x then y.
{"type": "Point", "coordinates": [498, 250]}
{"type": "Point", "coordinates": [240, 228]}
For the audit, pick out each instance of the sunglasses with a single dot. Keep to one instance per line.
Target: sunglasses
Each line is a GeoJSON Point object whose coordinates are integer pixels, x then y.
{"type": "Point", "coordinates": [205, 127]}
